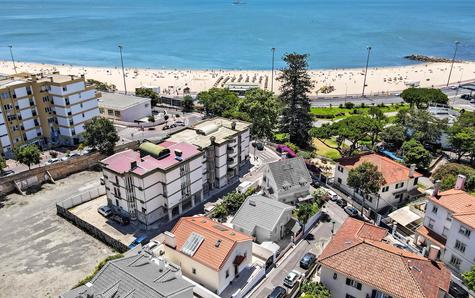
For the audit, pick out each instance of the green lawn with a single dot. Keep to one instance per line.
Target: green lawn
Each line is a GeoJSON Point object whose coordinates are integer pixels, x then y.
{"type": "Point", "coordinates": [337, 112]}
{"type": "Point", "coordinates": [323, 150]}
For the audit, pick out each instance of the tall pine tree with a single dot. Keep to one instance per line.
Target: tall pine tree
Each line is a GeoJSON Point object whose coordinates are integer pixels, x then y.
{"type": "Point", "coordinates": [296, 84]}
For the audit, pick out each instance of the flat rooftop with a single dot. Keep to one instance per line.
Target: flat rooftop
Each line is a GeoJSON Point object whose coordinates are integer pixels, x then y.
{"type": "Point", "coordinates": [200, 134]}
{"type": "Point", "coordinates": [120, 101]}
{"type": "Point", "coordinates": [23, 77]}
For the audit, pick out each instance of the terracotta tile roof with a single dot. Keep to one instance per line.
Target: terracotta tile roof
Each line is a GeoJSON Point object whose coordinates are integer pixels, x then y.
{"type": "Point", "coordinates": [351, 232]}
{"type": "Point", "coordinates": [432, 236]}
{"type": "Point", "coordinates": [460, 203]}
{"type": "Point", "coordinates": [392, 171]}
{"type": "Point", "coordinates": [405, 274]}
{"type": "Point", "coordinates": [207, 253]}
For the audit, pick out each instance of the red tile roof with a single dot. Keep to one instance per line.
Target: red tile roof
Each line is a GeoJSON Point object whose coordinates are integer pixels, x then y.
{"type": "Point", "coordinates": [393, 172]}
{"type": "Point", "coordinates": [208, 253]}
{"type": "Point", "coordinates": [394, 271]}
{"type": "Point", "coordinates": [460, 203]}
{"type": "Point", "coordinates": [121, 162]}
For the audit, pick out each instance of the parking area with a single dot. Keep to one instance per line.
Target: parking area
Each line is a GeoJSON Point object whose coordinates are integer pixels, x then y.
{"type": "Point", "coordinates": [41, 254]}
{"type": "Point", "coordinates": [88, 212]}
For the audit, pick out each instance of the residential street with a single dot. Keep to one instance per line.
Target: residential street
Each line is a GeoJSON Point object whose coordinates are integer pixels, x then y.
{"type": "Point", "coordinates": [41, 254]}
{"type": "Point", "coordinates": [321, 236]}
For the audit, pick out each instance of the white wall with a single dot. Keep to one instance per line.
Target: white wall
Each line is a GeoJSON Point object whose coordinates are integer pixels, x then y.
{"type": "Point", "coordinates": [138, 111]}
{"type": "Point", "coordinates": [467, 257]}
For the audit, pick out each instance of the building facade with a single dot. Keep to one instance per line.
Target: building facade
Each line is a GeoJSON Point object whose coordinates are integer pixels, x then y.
{"type": "Point", "coordinates": [399, 186]}
{"type": "Point", "coordinates": [225, 144]}
{"type": "Point", "coordinates": [154, 182]}
{"type": "Point", "coordinates": [449, 227]}
{"type": "Point", "coordinates": [125, 108]}
{"type": "Point", "coordinates": [208, 252]}
{"type": "Point", "coordinates": [46, 110]}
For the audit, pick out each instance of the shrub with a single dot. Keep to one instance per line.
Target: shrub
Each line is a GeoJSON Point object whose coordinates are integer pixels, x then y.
{"type": "Point", "coordinates": [362, 105]}
{"type": "Point", "coordinates": [292, 146]}
{"type": "Point", "coordinates": [349, 105]}
{"type": "Point", "coordinates": [53, 154]}
{"type": "Point", "coordinates": [447, 174]}
{"type": "Point", "coordinates": [97, 269]}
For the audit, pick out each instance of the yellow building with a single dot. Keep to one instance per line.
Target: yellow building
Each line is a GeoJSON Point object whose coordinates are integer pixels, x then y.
{"type": "Point", "coordinates": [47, 110]}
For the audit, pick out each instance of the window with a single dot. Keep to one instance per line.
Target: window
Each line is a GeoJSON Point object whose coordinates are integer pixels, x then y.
{"type": "Point", "coordinates": [45, 98]}
{"type": "Point", "coordinates": [339, 180]}
{"type": "Point", "coordinates": [455, 262]}
{"type": "Point", "coordinates": [227, 273]}
{"type": "Point", "coordinates": [416, 180]}
{"type": "Point", "coordinates": [117, 202]}
{"type": "Point", "coordinates": [399, 197]}
{"type": "Point", "coordinates": [431, 223]}
{"type": "Point", "coordinates": [65, 88]}
{"type": "Point", "coordinates": [335, 276]}
{"type": "Point", "coordinates": [460, 246]}
{"type": "Point", "coordinates": [449, 218]}
{"type": "Point", "coordinates": [385, 189]}
{"type": "Point", "coordinates": [353, 283]}
{"type": "Point", "coordinates": [193, 270]}
{"type": "Point", "coordinates": [435, 209]}
{"type": "Point", "coordinates": [399, 185]}
{"type": "Point", "coordinates": [66, 100]}
{"type": "Point", "coordinates": [101, 110]}
{"type": "Point", "coordinates": [83, 115]}
{"type": "Point", "coordinates": [117, 113]}
{"type": "Point", "coordinates": [464, 231]}
{"type": "Point", "coordinates": [444, 232]}
{"type": "Point", "coordinates": [110, 112]}
{"type": "Point", "coordinates": [349, 296]}
{"type": "Point", "coordinates": [144, 210]}
{"type": "Point", "coordinates": [340, 169]}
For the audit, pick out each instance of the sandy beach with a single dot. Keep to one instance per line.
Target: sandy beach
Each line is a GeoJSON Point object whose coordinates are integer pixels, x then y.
{"type": "Point", "coordinates": [380, 80]}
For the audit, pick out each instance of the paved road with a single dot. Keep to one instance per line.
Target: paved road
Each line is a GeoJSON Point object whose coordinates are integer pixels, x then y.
{"type": "Point", "coordinates": [322, 234]}
{"type": "Point", "coordinates": [41, 254]}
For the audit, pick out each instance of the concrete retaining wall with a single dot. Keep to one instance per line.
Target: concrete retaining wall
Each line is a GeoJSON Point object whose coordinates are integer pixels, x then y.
{"type": "Point", "coordinates": [62, 209]}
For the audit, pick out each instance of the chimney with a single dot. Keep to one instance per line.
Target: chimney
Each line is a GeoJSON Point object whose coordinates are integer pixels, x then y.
{"type": "Point", "coordinates": [72, 77]}
{"type": "Point", "coordinates": [51, 79]}
{"type": "Point", "coordinates": [133, 165]}
{"type": "Point", "coordinates": [178, 154]}
{"type": "Point", "coordinates": [412, 168]}
{"type": "Point", "coordinates": [233, 125]}
{"type": "Point", "coordinates": [459, 184]}
{"type": "Point", "coordinates": [170, 239]}
{"type": "Point", "coordinates": [212, 140]}
{"type": "Point", "coordinates": [434, 253]}
{"type": "Point", "coordinates": [435, 193]}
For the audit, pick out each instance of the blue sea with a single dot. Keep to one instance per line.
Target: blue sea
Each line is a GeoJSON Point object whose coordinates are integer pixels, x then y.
{"type": "Point", "coordinates": [204, 34]}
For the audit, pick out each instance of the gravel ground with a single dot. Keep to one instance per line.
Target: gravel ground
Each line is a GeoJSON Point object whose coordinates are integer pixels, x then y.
{"type": "Point", "coordinates": [41, 254]}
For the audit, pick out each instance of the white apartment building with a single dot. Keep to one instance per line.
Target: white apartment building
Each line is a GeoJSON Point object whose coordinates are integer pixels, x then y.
{"type": "Point", "coordinates": [399, 187]}
{"type": "Point", "coordinates": [226, 146]}
{"type": "Point", "coordinates": [359, 262]}
{"type": "Point", "coordinates": [154, 182]}
{"type": "Point", "coordinates": [449, 226]}
{"type": "Point", "coordinates": [44, 109]}
{"type": "Point", "coordinates": [209, 253]}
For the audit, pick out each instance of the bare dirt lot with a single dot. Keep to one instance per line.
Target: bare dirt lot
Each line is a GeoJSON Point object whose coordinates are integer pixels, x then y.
{"type": "Point", "coordinates": [41, 254]}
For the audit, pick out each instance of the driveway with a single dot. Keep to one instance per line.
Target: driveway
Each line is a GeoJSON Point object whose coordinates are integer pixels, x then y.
{"type": "Point", "coordinates": [41, 254]}
{"type": "Point", "coordinates": [322, 234]}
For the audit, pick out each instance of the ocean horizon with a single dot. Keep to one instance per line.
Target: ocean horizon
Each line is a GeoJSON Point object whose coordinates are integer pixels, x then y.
{"type": "Point", "coordinates": [220, 34]}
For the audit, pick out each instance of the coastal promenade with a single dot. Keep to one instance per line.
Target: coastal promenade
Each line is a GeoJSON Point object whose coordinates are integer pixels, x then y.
{"type": "Point", "coordinates": [381, 81]}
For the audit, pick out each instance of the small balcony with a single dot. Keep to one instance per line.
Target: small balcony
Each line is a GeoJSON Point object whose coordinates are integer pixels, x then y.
{"type": "Point", "coordinates": [232, 163]}
{"type": "Point", "coordinates": [232, 152]}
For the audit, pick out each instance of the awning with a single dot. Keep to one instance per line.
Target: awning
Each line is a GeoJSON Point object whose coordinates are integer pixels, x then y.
{"type": "Point", "coordinates": [404, 216]}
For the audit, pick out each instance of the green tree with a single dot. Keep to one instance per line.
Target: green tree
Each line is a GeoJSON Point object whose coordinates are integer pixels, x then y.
{"type": "Point", "coordinates": [3, 164]}
{"type": "Point", "coordinates": [304, 212]}
{"type": "Point", "coordinates": [421, 97]}
{"type": "Point", "coordinates": [350, 130]}
{"type": "Point", "coordinates": [314, 289]}
{"type": "Point", "coordinates": [100, 134]}
{"type": "Point", "coordinates": [462, 136]}
{"type": "Point", "coordinates": [151, 118]}
{"type": "Point", "coordinates": [28, 155]}
{"type": "Point", "coordinates": [448, 173]}
{"type": "Point", "coordinates": [188, 105]}
{"type": "Point", "coordinates": [393, 136]}
{"type": "Point", "coordinates": [414, 152]}
{"type": "Point", "coordinates": [148, 92]}
{"type": "Point", "coordinates": [469, 278]}
{"type": "Point", "coordinates": [217, 101]}
{"type": "Point", "coordinates": [296, 84]}
{"type": "Point", "coordinates": [365, 178]}
{"type": "Point", "coordinates": [421, 125]}
{"type": "Point", "coordinates": [263, 109]}
{"type": "Point", "coordinates": [105, 87]}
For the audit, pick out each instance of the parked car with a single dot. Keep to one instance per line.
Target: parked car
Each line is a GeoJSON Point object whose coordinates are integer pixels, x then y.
{"type": "Point", "coordinates": [342, 203]}
{"type": "Point", "coordinates": [106, 211]}
{"type": "Point", "coordinates": [278, 292]}
{"type": "Point", "coordinates": [351, 211]}
{"type": "Point", "coordinates": [453, 87]}
{"type": "Point", "coordinates": [291, 278]}
{"type": "Point", "coordinates": [180, 123]}
{"type": "Point", "coordinates": [165, 127]}
{"type": "Point", "coordinates": [64, 158]}
{"type": "Point", "coordinates": [52, 161]}
{"type": "Point", "coordinates": [259, 146]}
{"type": "Point", "coordinates": [307, 260]}
{"type": "Point", "coordinates": [139, 240]}
{"type": "Point", "coordinates": [121, 218]}
{"type": "Point", "coordinates": [466, 96]}
{"type": "Point", "coordinates": [325, 217]}
{"type": "Point", "coordinates": [6, 172]}
{"type": "Point", "coordinates": [74, 154]}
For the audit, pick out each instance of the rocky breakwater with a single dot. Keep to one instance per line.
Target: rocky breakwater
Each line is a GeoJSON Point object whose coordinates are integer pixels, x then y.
{"type": "Point", "coordinates": [423, 58]}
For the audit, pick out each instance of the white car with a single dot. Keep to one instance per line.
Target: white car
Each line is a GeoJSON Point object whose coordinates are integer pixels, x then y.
{"type": "Point", "coordinates": [291, 278]}
{"type": "Point", "coordinates": [52, 161]}
{"type": "Point", "coordinates": [64, 158]}
{"type": "Point", "coordinates": [104, 211]}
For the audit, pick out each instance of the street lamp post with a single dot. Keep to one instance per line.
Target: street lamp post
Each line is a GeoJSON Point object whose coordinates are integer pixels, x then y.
{"type": "Point", "coordinates": [11, 55]}
{"type": "Point", "coordinates": [123, 72]}
{"type": "Point", "coordinates": [333, 227]}
{"type": "Point", "coordinates": [453, 60]}
{"type": "Point", "coordinates": [366, 70]}
{"type": "Point", "coordinates": [272, 75]}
